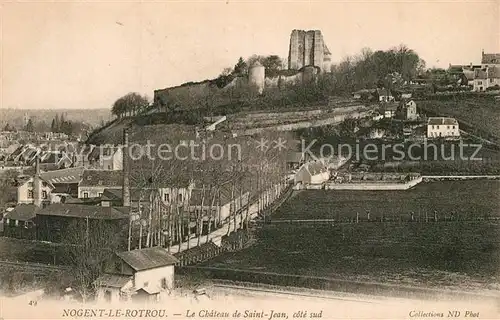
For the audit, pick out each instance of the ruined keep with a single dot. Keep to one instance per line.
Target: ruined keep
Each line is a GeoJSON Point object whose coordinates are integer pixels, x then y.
{"type": "Point", "coordinates": [307, 48]}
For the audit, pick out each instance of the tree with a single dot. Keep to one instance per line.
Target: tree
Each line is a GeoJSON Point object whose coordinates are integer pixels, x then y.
{"type": "Point", "coordinates": [89, 244]}
{"type": "Point", "coordinates": [29, 126]}
{"type": "Point", "coordinates": [7, 182]}
{"type": "Point", "coordinates": [130, 104]}
{"type": "Point", "coordinates": [53, 126]}
{"type": "Point", "coordinates": [8, 128]}
{"type": "Point", "coordinates": [241, 67]}
{"type": "Point", "coordinates": [273, 65]}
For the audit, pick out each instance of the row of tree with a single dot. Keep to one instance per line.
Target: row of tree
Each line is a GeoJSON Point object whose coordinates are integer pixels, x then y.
{"type": "Point", "coordinates": [61, 125]}
{"type": "Point", "coordinates": [372, 69]}
{"type": "Point", "coordinates": [129, 105]}
{"type": "Point", "coordinates": [163, 224]}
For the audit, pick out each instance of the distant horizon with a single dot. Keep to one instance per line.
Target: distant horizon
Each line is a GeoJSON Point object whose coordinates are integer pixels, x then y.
{"type": "Point", "coordinates": [85, 55]}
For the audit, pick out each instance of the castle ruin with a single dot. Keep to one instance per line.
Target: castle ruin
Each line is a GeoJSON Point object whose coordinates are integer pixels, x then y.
{"type": "Point", "coordinates": [307, 48]}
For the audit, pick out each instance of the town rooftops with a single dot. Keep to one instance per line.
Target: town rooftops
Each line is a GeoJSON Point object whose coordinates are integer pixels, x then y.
{"type": "Point", "coordinates": [494, 72]}
{"type": "Point", "coordinates": [441, 121]}
{"type": "Point", "coordinates": [149, 258]}
{"type": "Point", "coordinates": [490, 58]}
{"type": "Point", "coordinates": [469, 74]}
{"type": "Point", "coordinates": [480, 74]}
{"type": "Point", "coordinates": [107, 178]}
{"type": "Point", "coordinates": [70, 175]}
{"type": "Point", "coordinates": [84, 211]}
{"type": "Point", "coordinates": [117, 194]}
{"type": "Point", "coordinates": [383, 92]}
{"type": "Point", "coordinates": [23, 212]}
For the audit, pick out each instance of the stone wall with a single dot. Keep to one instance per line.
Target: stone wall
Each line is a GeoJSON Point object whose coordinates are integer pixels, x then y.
{"type": "Point", "coordinates": [308, 48]}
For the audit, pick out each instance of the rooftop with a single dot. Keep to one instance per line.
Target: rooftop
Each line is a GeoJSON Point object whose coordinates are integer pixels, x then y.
{"type": "Point", "coordinates": [490, 58]}
{"type": "Point", "coordinates": [149, 258]}
{"type": "Point", "coordinates": [84, 211]}
{"type": "Point", "coordinates": [113, 280]}
{"type": "Point", "coordinates": [108, 178]}
{"type": "Point", "coordinates": [70, 175]}
{"type": "Point", "coordinates": [441, 121]}
{"type": "Point", "coordinates": [23, 212]}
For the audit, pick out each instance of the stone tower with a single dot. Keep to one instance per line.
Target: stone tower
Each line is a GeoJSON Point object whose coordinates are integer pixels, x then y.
{"type": "Point", "coordinates": [307, 48]}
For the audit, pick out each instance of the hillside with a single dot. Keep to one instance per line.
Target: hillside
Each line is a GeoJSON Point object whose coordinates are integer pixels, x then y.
{"type": "Point", "coordinates": [479, 112]}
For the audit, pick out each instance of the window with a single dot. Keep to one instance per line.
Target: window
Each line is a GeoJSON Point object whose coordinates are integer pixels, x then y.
{"type": "Point", "coordinates": [480, 83]}
{"type": "Point", "coordinates": [491, 80]}
{"type": "Point", "coordinates": [432, 127]}
{"type": "Point", "coordinates": [109, 167]}
{"type": "Point", "coordinates": [164, 283]}
{"type": "Point", "coordinates": [30, 184]}
{"type": "Point", "coordinates": [44, 194]}
{"type": "Point", "coordinates": [30, 194]}
{"type": "Point", "coordinates": [85, 195]}
{"type": "Point", "coordinates": [100, 194]}
{"type": "Point", "coordinates": [179, 197]}
{"type": "Point", "coordinates": [166, 197]}
{"type": "Point", "coordinates": [437, 127]}
{"type": "Point", "coordinates": [146, 284]}
{"type": "Point", "coordinates": [448, 127]}
{"type": "Point", "coordinates": [453, 127]}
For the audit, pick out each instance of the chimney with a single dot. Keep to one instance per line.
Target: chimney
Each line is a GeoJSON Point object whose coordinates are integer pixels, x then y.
{"type": "Point", "coordinates": [126, 171]}
{"type": "Point", "coordinates": [37, 184]}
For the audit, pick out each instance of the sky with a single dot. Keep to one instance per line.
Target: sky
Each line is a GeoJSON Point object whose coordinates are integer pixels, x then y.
{"type": "Point", "coordinates": [86, 54]}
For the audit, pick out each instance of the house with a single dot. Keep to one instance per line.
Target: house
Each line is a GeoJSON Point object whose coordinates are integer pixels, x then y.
{"type": "Point", "coordinates": [138, 275]}
{"type": "Point", "coordinates": [114, 197]}
{"type": "Point", "coordinates": [486, 77]}
{"type": "Point", "coordinates": [26, 190]}
{"type": "Point", "coordinates": [94, 182]}
{"type": "Point", "coordinates": [407, 110]}
{"type": "Point", "coordinates": [384, 95]}
{"type": "Point", "coordinates": [19, 223]}
{"type": "Point", "coordinates": [364, 94]}
{"type": "Point", "coordinates": [389, 110]}
{"type": "Point", "coordinates": [490, 58]}
{"type": "Point", "coordinates": [440, 127]}
{"type": "Point", "coordinates": [54, 219]}
{"type": "Point", "coordinates": [314, 172]}
{"type": "Point", "coordinates": [480, 80]}
{"type": "Point", "coordinates": [65, 182]}
{"type": "Point", "coordinates": [295, 159]}
{"type": "Point", "coordinates": [106, 157]}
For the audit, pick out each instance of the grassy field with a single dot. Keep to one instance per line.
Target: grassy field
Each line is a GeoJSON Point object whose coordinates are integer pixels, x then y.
{"type": "Point", "coordinates": [461, 254]}
{"type": "Point", "coordinates": [463, 198]}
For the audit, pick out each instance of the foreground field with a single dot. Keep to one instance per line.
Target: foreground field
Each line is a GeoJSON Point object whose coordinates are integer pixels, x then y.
{"type": "Point", "coordinates": [460, 254]}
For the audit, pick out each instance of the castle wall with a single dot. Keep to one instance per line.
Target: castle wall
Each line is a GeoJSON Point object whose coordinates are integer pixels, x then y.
{"type": "Point", "coordinates": [308, 48]}
{"type": "Point", "coordinates": [318, 49]}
